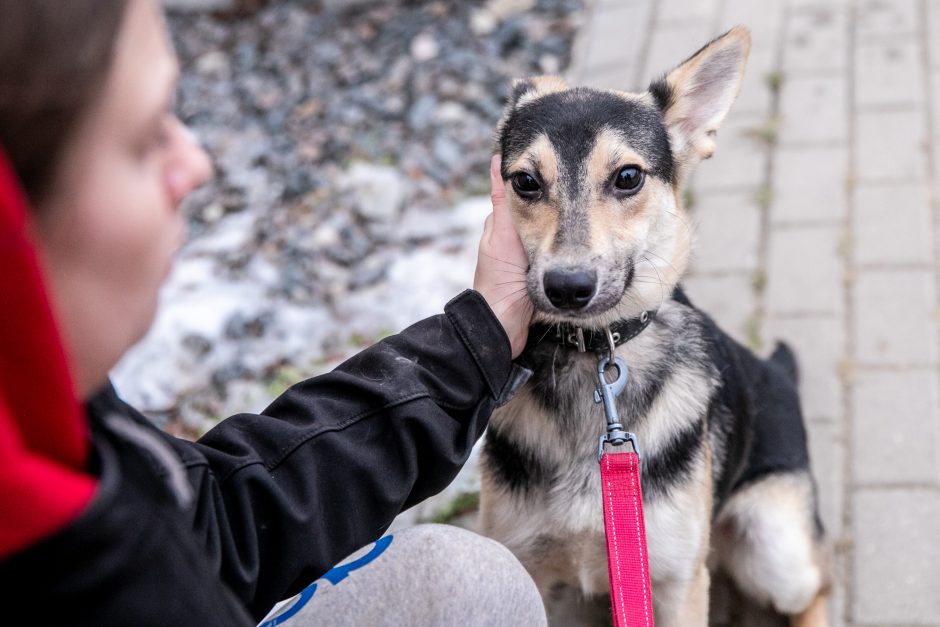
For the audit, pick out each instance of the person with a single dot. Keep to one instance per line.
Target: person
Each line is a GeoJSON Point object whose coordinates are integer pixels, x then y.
{"type": "Point", "coordinates": [104, 519]}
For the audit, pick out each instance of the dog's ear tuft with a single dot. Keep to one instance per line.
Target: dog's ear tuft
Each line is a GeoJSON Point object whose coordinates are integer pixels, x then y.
{"type": "Point", "coordinates": [661, 92]}
{"type": "Point", "coordinates": [526, 89]}
{"type": "Point", "coordinates": [696, 96]}
{"type": "Point", "coordinates": [520, 87]}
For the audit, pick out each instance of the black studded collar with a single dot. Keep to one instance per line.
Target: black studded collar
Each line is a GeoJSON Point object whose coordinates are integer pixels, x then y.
{"type": "Point", "coordinates": [590, 340]}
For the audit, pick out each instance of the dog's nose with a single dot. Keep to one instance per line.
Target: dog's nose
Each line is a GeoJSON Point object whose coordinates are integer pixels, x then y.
{"type": "Point", "coordinates": [570, 290]}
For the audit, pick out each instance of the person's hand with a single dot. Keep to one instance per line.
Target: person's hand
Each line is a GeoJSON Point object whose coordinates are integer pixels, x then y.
{"type": "Point", "coordinates": [502, 265]}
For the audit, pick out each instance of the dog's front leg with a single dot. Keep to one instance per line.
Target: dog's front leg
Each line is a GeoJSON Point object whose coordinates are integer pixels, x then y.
{"type": "Point", "coordinates": [682, 603]}
{"type": "Point", "coordinates": [678, 533]}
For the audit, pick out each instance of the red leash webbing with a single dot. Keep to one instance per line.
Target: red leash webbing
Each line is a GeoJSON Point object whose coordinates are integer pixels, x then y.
{"type": "Point", "coordinates": [627, 558]}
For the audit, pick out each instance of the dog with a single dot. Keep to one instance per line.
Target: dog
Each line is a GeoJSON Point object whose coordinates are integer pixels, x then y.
{"type": "Point", "coordinates": [594, 179]}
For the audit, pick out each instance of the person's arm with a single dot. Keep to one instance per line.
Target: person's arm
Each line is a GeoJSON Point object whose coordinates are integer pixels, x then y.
{"type": "Point", "coordinates": [330, 463]}
{"type": "Point", "coordinates": [286, 494]}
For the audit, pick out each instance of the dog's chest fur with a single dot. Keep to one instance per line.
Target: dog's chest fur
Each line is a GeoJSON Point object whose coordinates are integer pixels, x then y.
{"type": "Point", "coordinates": [541, 474]}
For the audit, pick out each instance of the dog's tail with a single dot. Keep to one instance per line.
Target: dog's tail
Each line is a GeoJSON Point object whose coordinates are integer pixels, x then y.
{"type": "Point", "coordinates": [784, 357]}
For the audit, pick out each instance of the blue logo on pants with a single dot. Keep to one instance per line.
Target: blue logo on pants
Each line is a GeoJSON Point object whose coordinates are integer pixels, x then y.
{"type": "Point", "coordinates": [334, 576]}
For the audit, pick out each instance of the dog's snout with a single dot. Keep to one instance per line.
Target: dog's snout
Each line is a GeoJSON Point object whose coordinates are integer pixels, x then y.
{"type": "Point", "coordinates": [570, 290]}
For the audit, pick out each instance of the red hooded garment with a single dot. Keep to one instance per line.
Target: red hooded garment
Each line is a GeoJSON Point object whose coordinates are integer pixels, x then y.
{"type": "Point", "coordinates": [43, 432]}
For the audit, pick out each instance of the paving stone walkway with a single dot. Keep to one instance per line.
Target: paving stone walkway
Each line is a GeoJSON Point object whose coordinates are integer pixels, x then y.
{"type": "Point", "coordinates": [818, 224]}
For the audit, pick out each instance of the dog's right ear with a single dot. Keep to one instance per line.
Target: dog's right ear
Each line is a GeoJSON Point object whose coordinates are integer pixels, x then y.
{"type": "Point", "coordinates": [696, 96]}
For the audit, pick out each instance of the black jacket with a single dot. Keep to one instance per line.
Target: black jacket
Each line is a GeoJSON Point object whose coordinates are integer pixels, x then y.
{"type": "Point", "coordinates": [217, 531]}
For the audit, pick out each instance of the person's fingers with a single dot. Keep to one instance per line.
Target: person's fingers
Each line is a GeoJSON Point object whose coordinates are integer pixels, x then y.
{"type": "Point", "coordinates": [498, 194]}
{"type": "Point", "coordinates": [496, 179]}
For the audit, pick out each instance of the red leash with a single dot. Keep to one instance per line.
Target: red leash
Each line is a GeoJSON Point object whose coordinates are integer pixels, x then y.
{"type": "Point", "coordinates": [627, 555]}
{"type": "Point", "coordinates": [627, 558]}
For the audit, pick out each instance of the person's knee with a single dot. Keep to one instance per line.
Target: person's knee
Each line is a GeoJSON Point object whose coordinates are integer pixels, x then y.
{"type": "Point", "coordinates": [452, 554]}
{"type": "Point", "coordinates": [473, 575]}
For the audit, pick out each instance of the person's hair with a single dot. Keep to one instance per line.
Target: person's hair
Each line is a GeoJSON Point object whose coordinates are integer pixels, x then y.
{"type": "Point", "coordinates": [55, 56]}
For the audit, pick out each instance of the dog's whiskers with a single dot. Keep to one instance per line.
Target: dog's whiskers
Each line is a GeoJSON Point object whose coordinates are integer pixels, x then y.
{"type": "Point", "coordinates": [685, 223]}
{"type": "Point", "coordinates": [521, 299]}
{"type": "Point", "coordinates": [554, 360]}
{"type": "Point", "coordinates": [666, 261]}
{"type": "Point", "coordinates": [515, 265]}
{"type": "Point", "coordinates": [547, 331]}
{"type": "Point", "coordinates": [512, 293]}
{"type": "Point", "coordinates": [662, 287]}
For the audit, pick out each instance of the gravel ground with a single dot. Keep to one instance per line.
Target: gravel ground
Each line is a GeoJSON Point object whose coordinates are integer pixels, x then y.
{"type": "Point", "coordinates": [351, 149]}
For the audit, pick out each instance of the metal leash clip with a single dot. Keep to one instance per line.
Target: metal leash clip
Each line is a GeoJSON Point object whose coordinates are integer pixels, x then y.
{"type": "Point", "coordinates": [607, 393]}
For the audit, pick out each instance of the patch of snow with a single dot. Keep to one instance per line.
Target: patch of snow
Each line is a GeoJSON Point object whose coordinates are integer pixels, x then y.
{"type": "Point", "coordinates": [379, 190]}
{"type": "Point", "coordinates": [188, 345]}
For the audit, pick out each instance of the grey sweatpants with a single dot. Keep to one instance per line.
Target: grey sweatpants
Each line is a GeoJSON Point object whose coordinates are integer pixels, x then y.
{"type": "Point", "coordinates": [424, 575]}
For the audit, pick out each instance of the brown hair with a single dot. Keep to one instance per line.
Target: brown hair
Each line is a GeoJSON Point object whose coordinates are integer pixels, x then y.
{"type": "Point", "coordinates": [54, 58]}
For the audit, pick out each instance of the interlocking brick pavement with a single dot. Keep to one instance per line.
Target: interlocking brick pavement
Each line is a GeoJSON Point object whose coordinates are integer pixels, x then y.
{"type": "Point", "coordinates": [818, 225]}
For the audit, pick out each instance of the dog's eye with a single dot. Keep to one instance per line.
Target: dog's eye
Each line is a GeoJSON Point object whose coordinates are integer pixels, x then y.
{"type": "Point", "coordinates": [525, 184]}
{"type": "Point", "coordinates": [629, 178]}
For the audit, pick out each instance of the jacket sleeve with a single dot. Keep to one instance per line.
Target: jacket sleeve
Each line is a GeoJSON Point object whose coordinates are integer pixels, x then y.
{"type": "Point", "coordinates": [284, 495]}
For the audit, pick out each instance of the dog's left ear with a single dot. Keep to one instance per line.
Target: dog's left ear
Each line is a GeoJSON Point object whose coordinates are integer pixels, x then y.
{"type": "Point", "coordinates": [696, 96]}
{"type": "Point", "coordinates": [524, 91]}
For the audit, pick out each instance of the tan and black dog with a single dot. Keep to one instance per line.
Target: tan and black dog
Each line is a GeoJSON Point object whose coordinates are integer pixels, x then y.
{"type": "Point", "coordinates": [595, 179]}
